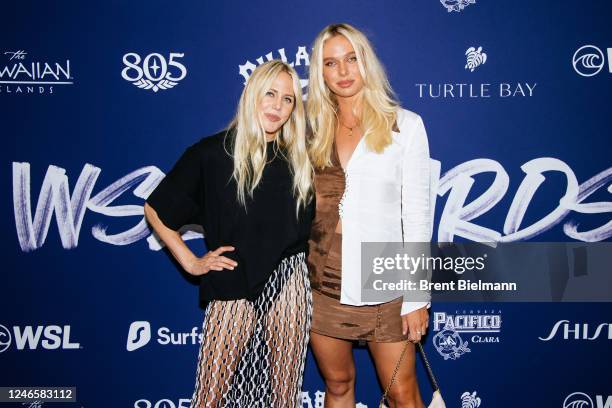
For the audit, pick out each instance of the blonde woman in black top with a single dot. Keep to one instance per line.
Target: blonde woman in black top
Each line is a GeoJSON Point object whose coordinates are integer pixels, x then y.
{"type": "Point", "coordinates": [250, 189]}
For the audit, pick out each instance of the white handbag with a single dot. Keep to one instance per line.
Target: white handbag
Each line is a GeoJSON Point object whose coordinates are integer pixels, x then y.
{"type": "Point", "coordinates": [436, 400]}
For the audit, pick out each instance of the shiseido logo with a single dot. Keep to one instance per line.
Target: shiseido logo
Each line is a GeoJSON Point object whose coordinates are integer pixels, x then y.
{"type": "Point", "coordinates": [579, 331]}
{"type": "Point", "coordinates": [153, 72]}
{"type": "Point", "coordinates": [19, 76]}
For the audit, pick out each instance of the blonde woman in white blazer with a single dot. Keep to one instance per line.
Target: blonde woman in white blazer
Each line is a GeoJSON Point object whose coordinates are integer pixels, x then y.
{"type": "Point", "coordinates": [371, 159]}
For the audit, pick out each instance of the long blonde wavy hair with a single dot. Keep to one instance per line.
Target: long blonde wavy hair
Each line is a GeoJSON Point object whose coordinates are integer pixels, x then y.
{"type": "Point", "coordinates": [249, 142]}
{"type": "Point", "coordinates": [378, 113]}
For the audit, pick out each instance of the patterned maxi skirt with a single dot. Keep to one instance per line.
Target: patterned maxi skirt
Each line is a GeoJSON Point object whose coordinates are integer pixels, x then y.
{"type": "Point", "coordinates": [253, 352]}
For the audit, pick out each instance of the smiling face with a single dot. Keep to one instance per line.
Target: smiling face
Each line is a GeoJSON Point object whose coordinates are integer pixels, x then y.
{"type": "Point", "coordinates": [340, 68]}
{"type": "Point", "coordinates": [277, 104]}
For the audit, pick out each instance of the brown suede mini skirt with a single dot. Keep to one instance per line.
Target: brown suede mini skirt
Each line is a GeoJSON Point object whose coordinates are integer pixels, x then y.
{"type": "Point", "coordinates": [378, 323]}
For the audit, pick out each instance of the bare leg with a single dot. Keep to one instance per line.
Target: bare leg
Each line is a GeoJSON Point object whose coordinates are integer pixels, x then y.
{"type": "Point", "coordinates": [227, 328]}
{"type": "Point", "coordinates": [404, 392]}
{"type": "Point", "coordinates": [288, 326]}
{"type": "Point", "coordinates": [335, 360]}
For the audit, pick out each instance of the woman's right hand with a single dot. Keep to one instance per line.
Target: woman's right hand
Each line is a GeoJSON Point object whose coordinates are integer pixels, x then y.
{"type": "Point", "coordinates": [212, 261]}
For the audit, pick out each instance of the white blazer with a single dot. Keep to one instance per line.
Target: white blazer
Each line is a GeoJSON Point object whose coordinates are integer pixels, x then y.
{"type": "Point", "coordinates": [376, 184]}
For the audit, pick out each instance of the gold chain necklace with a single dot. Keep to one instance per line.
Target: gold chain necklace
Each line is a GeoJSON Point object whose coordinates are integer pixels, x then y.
{"type": "Point", "coordinates": [349, 128]}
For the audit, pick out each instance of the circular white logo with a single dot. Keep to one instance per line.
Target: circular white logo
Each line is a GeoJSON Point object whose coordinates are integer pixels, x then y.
{"type": "Point", "coordinates": [578, 400]}
{"type": "Point", "coordinates": [588, 60]}
{"type": "Point", "coordinates": [5, 338]}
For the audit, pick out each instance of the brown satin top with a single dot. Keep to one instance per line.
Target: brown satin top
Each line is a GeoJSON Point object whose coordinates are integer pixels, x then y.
{"type": "Point", "coordinates": [329, 187]}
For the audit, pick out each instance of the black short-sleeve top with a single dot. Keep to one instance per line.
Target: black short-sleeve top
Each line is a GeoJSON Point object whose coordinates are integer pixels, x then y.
{"type": "Point", "coordinates": [200, 189]}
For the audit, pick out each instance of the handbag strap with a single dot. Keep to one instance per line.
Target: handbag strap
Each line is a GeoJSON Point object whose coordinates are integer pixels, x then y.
{"type": "Point", "coordinates": [421, 350]}
{"type": "Point", "coordinates": [397, 366]}
{"type": "Point", "coordinates": [429, 370]}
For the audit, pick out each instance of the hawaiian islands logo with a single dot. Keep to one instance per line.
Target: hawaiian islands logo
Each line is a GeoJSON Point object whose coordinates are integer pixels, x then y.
{"type": "Point", "coordinates": [21, 77]}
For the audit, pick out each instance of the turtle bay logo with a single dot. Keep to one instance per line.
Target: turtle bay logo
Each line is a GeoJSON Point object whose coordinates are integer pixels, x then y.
{"type": "Point", "coordinates": [589, 60]}
{"type": "Point", "coordinates": [300, 60]}
{"type": "Point", "coordinates": [49, 337]}
{"type": "Point", "coordinates": [456, 5]}
{"type": "Point", "coordinates": [582, 400]}
{"type": "Point", "coordinates": [470, 400]}
{"type": "Point", "coordinates": [154, 71]}
{"type": "Point", "coordinates": [139, 335]}
{"type": "Point", "coordinates": [18, 75]}
{"type": "Point", "coordinates": [475, 59]}
{"type": "Point", "coordinates": [579, 331]}
{"type": "Point", "coordinates": [483, 328]}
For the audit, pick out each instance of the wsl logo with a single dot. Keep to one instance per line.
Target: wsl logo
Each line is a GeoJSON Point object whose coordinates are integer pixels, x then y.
{"type": "Point", "coordinates": [577, 331]}
{"type": "Point", "coordinates": [456, 5]}
{"type": "Point", "coordinates": [50, 337]}
{"type": "Point", "coordinates": [153, 72]}
{"type": "Point", "coordinates": [485, 328]}
{"type": "Point", "coordinates": [19, 76]}
{"type": "Point", "coordinates": [582, 400]}
{"type": "Point", "coordinates": [589, 60]}
{"type": "Point", "coordinates": [5, 338]}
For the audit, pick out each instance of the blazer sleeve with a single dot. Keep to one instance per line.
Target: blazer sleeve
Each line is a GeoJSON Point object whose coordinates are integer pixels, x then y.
{"type": "Point", "coordinates": [416, 176]}
{"type": "Point", "coordinates": [178, 197]}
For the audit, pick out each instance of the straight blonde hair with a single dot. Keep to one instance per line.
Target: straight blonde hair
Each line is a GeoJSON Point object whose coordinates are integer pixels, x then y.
{"type": "Point", "coordinates": [378, 102]}
{"type": "Point", "coordinates": [249, 142]}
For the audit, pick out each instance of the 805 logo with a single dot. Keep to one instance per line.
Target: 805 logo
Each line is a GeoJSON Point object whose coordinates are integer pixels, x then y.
{"type": "Point", "coordinates": [153, 71]}
{"type": "Point", "coordinates": [163, 403]}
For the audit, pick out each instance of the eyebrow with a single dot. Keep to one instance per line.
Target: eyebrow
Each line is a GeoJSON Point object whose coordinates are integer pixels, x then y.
{"type": "Point", "coordinates": [289, 95]}
{"type": "Point", "coordinates": [345, 55]}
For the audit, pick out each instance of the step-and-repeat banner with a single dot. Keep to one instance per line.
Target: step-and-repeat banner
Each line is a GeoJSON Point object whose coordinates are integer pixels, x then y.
{"type": "Point", "coordinates": [100, 98]}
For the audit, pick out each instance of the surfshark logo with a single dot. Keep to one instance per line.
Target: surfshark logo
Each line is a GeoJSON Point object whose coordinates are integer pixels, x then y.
{"type": "Point", "coordinates": [139, 335]}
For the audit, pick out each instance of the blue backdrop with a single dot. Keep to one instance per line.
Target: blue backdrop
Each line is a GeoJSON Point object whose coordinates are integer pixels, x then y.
{"type": "Point", "coordinates": [100, 98]}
